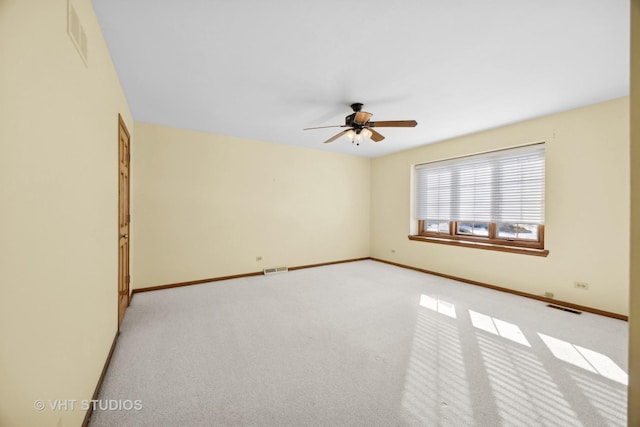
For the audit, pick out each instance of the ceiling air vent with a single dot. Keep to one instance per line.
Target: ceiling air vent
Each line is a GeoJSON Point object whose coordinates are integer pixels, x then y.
{"type": "Point", "coordinates": [76, 32]}
{"type": "Point", "coordinates": [275, 270]}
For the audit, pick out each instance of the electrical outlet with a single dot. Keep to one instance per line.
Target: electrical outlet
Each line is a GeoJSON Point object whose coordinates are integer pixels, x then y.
{"type": "Point", "coordinates": [581, 285]}
{"type": "Point", "coordinates": [258, 258]}
{"type": "Point", "coordinates": [548, 294]}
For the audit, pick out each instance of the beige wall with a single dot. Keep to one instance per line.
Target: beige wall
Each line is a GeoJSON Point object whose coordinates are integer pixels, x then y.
{"type": "Point", "coordinates": [634, 317]}
{"type": "Point", "coordinates": [208, 205]}
{"type": "Point", "coordinates": [58, 193]}
{"type": "Point", "coordinates": [587, 216]}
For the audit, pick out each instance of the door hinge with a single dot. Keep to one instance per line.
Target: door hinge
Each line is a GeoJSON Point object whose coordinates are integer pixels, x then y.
{"type": "Point", "coordinates": [129, 218]}
{"type": "Point", "coordinates": [128, 279]}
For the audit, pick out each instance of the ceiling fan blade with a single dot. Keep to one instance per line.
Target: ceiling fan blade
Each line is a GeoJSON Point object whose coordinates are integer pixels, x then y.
{"type": "Point", "coordinates": [375, 136]}
{"type": "Point", "coordinates": [362, 117]}
{"type": "Point", "coordinates": [324, 127]}
{"type": "Point", "coordinates": [333, 138]}
{"type": "Point", "coordinates": [394, 124]}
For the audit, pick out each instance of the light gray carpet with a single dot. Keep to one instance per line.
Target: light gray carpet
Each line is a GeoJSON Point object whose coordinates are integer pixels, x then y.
{"type": "Point", "coordinates": [362, 344]}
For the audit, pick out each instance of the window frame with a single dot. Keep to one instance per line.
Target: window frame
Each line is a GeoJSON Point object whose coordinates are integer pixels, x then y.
{"type": "Point", "coordinates": [492, 239]}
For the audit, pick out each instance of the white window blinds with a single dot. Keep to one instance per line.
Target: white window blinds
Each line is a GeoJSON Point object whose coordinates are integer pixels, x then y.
{"type": "Point", "coordinates": [500, 186]}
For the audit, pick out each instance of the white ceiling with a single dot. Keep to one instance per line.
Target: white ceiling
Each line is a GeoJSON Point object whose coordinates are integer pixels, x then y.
{"type": "Point", "coordinates": [267, 69]}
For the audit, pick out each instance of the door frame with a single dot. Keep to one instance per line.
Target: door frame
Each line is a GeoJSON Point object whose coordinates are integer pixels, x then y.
{"type": "Point", "coordinates": [126, 277]}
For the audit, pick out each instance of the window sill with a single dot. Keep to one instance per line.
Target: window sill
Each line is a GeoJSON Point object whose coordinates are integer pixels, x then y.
{"type": "Point", "coordinates": [486, 246]}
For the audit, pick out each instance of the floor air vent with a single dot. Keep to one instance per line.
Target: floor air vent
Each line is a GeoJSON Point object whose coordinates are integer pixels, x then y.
{"type": "Point", "coordinates": [275, 270]}
{"type": "Point", "coordinates": [570, 310]}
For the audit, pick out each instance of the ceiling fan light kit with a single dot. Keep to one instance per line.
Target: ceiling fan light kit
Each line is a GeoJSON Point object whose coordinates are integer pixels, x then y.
{"type": "Point", "coordinates": [360, 128]}
{"type": "Point", "coordinates": [358, 135]}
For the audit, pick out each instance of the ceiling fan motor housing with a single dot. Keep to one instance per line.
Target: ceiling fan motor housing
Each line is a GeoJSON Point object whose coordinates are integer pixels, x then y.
{"type": "Point", "coordinates": [349, 121]}
{"type": "Point", "coordinates": [358, 119]}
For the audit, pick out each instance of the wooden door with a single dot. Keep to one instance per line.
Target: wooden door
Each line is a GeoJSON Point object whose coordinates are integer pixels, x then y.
{"type": "Point", "coordinates": [124, 217]}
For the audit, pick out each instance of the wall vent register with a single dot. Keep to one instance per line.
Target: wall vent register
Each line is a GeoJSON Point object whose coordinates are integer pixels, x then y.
{"type": "Point", "coordinates": [275, 270]}
{"type": "Point", "coordinates": [76, 32]}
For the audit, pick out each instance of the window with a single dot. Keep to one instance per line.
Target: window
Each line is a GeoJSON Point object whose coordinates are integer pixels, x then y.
{"type": "Point", "coordinates": [486, 200]}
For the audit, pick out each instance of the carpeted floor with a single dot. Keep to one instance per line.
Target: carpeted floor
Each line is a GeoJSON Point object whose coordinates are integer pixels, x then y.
{"type": "Point", "coordinates": [362, 344]}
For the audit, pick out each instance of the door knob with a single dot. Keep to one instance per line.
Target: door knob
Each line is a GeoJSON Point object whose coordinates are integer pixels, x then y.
{"type": "Point", "coordinates": [124, 236]}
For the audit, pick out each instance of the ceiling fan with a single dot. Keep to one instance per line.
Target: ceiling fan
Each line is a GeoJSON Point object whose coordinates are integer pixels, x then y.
{"type": "Point", "coordinates": [360, 128]}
